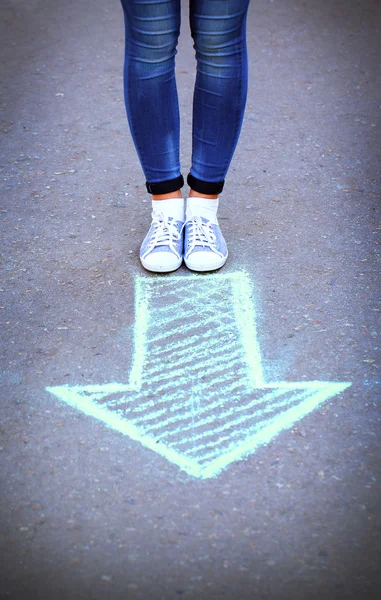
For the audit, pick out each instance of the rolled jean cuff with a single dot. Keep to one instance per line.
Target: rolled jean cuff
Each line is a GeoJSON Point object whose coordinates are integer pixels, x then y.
{"type": "Point", "coordinates": [165, 187]}
{"type": "Point", "coordinates": [205, 187]}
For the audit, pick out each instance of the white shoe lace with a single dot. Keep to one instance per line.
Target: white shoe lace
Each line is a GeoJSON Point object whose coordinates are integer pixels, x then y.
{"type": "Point", "coordinates": [201, 234]}
{"type": "Point", "coordinates": [165, 233]}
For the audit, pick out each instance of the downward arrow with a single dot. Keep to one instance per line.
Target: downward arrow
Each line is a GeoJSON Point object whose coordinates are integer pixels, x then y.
{"type": "Point", "coordinates": [196, 393]}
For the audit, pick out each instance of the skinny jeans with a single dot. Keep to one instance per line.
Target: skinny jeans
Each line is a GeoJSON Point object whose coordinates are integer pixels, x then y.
{"type": "Point", "coordinates": [218, 29]}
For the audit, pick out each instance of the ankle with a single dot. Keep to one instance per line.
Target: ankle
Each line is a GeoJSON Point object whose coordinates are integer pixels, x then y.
{"type": "Point", "coordinates": [170, 208]}
{"type": "Point", "coordinates": [198, 206]}
{"type": "Point", "coordinates": [176, 194]}
{"type": "Point", "coordinates": [194, 194]}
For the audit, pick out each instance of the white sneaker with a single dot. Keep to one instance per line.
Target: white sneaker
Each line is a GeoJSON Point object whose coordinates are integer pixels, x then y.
{"type": "Point", "coordinates": [162, 248]}
{"type": "Point", "coordinates": [205, 248]}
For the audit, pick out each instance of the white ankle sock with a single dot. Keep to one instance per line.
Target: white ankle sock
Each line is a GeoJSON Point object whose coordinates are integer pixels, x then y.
{"type": "Point", "coordinates": [173, 207]}
{"type": "Point", "coordinates": [202, 207]}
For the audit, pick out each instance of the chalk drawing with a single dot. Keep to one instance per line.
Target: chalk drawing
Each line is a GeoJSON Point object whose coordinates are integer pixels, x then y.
{"type": "Point", "coordinates": [196, 393]}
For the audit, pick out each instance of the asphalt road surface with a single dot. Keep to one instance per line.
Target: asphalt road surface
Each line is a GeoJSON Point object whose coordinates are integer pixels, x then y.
{"type": "Point", "coordinates": [191, 436]}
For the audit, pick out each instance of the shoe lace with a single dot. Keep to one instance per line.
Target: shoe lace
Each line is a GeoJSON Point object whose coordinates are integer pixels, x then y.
{"type": "Point", "coordinates": [200, 233]}
{"type": "Point", "coordinates": [165, 232]}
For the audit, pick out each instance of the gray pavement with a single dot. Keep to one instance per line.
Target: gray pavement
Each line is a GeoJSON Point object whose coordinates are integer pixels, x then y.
{"type": "Point", "coordinates": [89, 512]}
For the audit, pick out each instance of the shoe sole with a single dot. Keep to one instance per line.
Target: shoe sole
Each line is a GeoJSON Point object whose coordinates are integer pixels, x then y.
{"type": "Point", "coordinates": [203, 268]}
{"type": "Point", "coordinates": [161, 268]}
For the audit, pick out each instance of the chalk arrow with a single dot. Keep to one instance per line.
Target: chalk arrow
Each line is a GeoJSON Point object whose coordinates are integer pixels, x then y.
{"type": "Point", "coordinates": [196, 393]}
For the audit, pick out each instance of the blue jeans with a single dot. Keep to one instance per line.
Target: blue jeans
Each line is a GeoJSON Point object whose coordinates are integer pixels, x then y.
{"type": "Point", "coordinates": [218, 30]}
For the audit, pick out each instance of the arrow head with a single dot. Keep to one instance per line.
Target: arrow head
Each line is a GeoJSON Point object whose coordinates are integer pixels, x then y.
{"type": "Point", "coordinates": [201, 435]}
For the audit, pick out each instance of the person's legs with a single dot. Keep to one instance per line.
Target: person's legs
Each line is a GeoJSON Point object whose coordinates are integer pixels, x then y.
{"type": "Point", "coordinates": [219, 32]}
{"type": "Point", "coordinates": [152, 31]}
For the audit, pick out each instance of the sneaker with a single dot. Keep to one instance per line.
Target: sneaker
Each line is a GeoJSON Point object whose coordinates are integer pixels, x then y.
{"type": "Point", "coordinates": [162, 248]}
{"type": "Point", "coordinates": [205, 247]}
